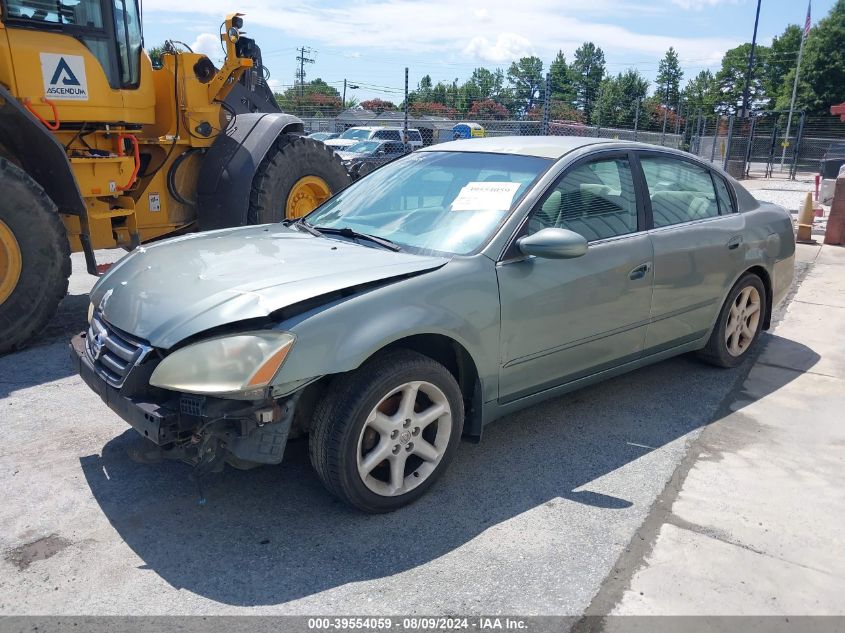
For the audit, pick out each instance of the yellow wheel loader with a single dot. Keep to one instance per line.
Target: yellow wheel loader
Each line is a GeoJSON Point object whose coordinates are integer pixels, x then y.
{"type": "Point", "coordinates": [98, 149]}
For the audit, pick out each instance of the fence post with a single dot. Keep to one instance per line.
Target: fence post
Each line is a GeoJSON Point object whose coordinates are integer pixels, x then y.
{"type": "Point", "coordinates": [678, 117]}
{"type": "Point", "coordinates": [637, 120]}
{"type": "Point", "coordinates": [547, 104]}
{"type": "Point", "coordinates": [730, 141]}
{"type": "Point", "coordinates": [695, 142]}
{"type": "Point", "coordinates": [665, 120]}
{"type": "Point", "coordinates": [772, 143]}
{"type": "Point", "coordinates": [752, 128]}
{"type": "Point", "coordinates": [797, 151]}
{"type": "Point", "coordinates": [715, 139]}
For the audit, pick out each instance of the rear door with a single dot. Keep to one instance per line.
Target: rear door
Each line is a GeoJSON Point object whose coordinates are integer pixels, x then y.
{"type": "Point", "coordinates": [697, 238]}
{"type": "Point", "coordinates": [564, 319]}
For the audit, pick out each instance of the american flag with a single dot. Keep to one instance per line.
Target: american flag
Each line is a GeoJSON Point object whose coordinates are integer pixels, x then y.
{"type": "Point", "coordinates": [809, 22]}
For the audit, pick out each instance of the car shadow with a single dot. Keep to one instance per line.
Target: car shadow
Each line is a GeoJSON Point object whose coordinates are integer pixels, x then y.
{"type": "Point", "coordinates": [41, 362]}
{"type": "Point", "coordinates": [273, 534]}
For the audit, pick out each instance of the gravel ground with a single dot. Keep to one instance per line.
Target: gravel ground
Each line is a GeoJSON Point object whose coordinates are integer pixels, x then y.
{"type": "Point", "coordinates": [529, 521]}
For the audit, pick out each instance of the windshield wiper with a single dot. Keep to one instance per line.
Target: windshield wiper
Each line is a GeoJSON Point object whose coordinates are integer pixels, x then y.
{"type": "Point", "coordinates": [345, 231]}
{"type": "Point", "coordinates": [302, 224]}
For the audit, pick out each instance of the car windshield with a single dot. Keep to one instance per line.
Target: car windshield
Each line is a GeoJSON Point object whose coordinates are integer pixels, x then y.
{"type": "Point", "coordinates": [362, 147]}
{"type": "Point", "coordinates": [447, 202]}
{"type": "Point", "coordinates": [356, 134]}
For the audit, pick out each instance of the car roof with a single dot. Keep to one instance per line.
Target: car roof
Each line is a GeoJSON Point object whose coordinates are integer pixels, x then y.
{"type": "Point", "coordinates": [539, 146]}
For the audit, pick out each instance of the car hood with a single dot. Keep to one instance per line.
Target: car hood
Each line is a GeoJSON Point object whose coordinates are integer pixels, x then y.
{"type": "Point", "coordinates": [350, 155]}
{"type": "Point", "coordinates": [168, 291]}
{"type": "Point", "coordinates": [340, 142]}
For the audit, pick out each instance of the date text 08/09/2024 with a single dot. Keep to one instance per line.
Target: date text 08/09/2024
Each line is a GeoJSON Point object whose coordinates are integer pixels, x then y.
{"type": "Point", "coordinates": [417, 623]}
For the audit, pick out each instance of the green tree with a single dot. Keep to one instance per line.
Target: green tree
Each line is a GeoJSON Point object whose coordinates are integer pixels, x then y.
{"type": "Point", "coordinates": [483, 85]}
{"type": "Point", "coordinates": [782, 57]}
{"type": "Point", "coordinates": [155, 54]}
{"type": "Point", "coordinates": [526, 80]}
{"type": "Point", "coordinates": [731, 80]}
{"type": "Point", "coordinates": [619, 96]}
{"type": "Point", "coordinates": [823, 67]}
{"type": "Point", "coordinates": [701, 93]}
{"type": "Point", "coordinates": [562, 88]}
{"type": "Point", "coordinates": [312, 98]}
{"type": "Point", "coordinates": [587, 71]}
{"type": "Point", "coordinates": [669, 76]}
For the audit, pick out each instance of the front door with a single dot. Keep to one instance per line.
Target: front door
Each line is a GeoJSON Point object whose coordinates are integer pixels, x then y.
{"type": "Point", "coordinates": [564, 319]}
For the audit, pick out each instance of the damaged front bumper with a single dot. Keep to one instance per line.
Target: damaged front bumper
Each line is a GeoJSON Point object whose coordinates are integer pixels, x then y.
{"type": "Point", "coordinates": [202, 431]}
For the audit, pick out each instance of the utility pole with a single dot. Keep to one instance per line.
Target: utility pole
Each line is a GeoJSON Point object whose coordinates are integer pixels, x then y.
{"type": "Point", "coordinates": [807, 24]}
{"type": "Point", "coordinates": [351, 87]}
{"type": "Point", "coordinates": [405, 128]}
{"type": "Point", "coordinates": [745, 93]}
{"type": "Point", "coordinates": [303, 59]}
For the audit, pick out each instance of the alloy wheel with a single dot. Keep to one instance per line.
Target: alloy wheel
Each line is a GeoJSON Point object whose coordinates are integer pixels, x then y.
{"type": "Point", "coordinates": [404, 438]}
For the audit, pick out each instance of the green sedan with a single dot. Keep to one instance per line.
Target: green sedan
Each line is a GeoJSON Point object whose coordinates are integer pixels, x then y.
{"type": "Point", "coordinates": [444, 290]}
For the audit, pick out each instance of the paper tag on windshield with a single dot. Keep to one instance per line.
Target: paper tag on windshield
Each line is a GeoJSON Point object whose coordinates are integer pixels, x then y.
{"type": "Point", "coordinates": [485, 196]}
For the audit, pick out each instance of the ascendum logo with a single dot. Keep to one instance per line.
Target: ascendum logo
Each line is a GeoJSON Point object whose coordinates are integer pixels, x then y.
{"type": "Point", "coordinates": [64, 77]}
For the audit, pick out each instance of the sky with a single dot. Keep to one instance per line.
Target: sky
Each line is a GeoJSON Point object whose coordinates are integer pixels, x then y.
{"type": "Point", "coordinates": [370, 42]}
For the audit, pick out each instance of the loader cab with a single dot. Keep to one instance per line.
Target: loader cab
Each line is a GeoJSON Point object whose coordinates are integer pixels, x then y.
{"type": "Point", "coordinates": [109, 29]}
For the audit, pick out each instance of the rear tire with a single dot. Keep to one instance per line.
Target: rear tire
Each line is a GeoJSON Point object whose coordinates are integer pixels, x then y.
{"type": "Point", "coordinates": [740, 322]}
{"type": "Point", "coordinates": [296, 165]}
{"type": "Point", "coordinates": [34, 258]}
{"type": "Point", "coordinates": [400, 409]}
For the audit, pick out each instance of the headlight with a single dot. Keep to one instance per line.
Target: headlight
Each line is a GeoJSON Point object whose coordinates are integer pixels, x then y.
{"type": "Point", "coordinates": [229, 365]}
{"type": "Point", "coordinates": [90, 312]}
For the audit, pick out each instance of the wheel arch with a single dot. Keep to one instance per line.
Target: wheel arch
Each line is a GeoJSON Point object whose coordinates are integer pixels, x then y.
{"type": "Point", "coordinates": [231, 163]}
{"type": "Point", "coordinates": [441, 348]}
{"type": "Point", "coordinates": [764, 276]}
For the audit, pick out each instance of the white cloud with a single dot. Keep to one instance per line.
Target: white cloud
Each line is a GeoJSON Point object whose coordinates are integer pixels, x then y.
{"type": "Point", "coordinates": [508, 46]}
{"type": "Point", "coordinates": [496, 31]}
{"type": "Point", "coordinates": [698, 5]}
{"type": "Point", "coordinates": [209, 45]}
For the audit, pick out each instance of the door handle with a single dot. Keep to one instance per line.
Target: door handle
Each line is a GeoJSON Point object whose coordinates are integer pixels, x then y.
{"type": "Point", "coordinates": [734, 242]}
{"type": "Point", "coordinates": [639, 272]}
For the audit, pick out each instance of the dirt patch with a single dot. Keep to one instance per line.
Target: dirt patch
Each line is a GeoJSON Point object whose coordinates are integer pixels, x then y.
{"type": "Point", "coordinates": [42, 549]}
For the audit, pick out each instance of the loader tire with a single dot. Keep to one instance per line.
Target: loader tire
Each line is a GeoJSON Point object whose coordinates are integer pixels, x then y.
{"type": "Point", "coordinates": [297, 175]}
{"type": "Point", "coordinates": [34, 258]}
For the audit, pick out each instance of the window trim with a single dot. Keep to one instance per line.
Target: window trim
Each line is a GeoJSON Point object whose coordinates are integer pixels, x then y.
{"type": "Point", "coordinates": [511, 254]}
{"type": "Point", "coordinates": [646, 153]}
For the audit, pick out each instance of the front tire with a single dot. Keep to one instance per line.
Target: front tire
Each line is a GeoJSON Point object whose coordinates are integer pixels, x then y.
{"type": "Point", "coordinates": [739, 324]}
{"type": "Point", "coordinates": [386, 432]}
{"type": "Point", "coordinates": [34, 258]}
{"type": "Point", "coordinates": [296, 176]}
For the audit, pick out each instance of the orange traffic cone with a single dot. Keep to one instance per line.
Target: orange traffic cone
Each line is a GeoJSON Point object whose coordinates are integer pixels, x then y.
{"type": "Point", "coordinates": [805, 222]}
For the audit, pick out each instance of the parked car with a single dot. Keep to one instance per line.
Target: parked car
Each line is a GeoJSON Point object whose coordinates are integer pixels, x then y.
{"type": "Point", "coordinates": [355, 134]}
{"type": "Point", "coordinates": [445, 290]}
{"type": "Point", "coordinates": [323, 136]}
{"type": "Point", "coordinates": [365, 156]}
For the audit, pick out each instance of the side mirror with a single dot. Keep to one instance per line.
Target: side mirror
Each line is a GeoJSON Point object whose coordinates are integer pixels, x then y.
{"type": "Point", "coordinates": [553, 244]}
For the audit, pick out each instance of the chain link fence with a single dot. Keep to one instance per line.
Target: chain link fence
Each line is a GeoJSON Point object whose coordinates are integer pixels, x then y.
{"type": "Point", "coordinates": [755, 147]}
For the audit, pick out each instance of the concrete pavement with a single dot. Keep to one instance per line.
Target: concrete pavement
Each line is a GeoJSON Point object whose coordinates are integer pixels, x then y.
{"type": "Point", "coordinates": [751, 522]}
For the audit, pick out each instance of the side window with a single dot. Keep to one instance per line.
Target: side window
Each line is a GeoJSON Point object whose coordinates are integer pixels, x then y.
{"type": "Point", "coordinates": [679, 190]}
{"type": "Point", "coordinates": [393, 135]}
{"type": "Point", "coordinates": [726, 204]}
{"type": "Point", "coordinates": [594, 199]}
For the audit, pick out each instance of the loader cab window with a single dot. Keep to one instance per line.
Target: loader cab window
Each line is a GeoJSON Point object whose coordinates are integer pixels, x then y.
{"type": "Point", "coordinates": [110, 29]}
{"type": "Point", "coordinates": [83, 13]}
{"type": "Point", "coordinates": [127, 28]}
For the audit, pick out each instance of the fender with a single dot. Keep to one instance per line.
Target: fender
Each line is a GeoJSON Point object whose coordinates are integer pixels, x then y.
{"type": "Point", "coordinates": [225, 177]}
{"type": "Point", "coordinates": [41, 155]}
